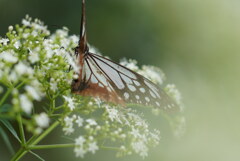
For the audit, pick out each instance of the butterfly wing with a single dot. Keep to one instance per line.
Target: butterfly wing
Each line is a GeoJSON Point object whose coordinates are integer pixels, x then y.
{"type": "Point", "coordinates": [113, 82]}
{"type": "Point", "coordinates": [93, 82]}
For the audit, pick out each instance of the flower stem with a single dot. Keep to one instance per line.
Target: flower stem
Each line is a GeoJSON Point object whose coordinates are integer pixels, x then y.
{"type": "Point", "coordinates": [5, 96]}
{"type": "Point", "coordinates": [46, 132]}
{"type": "Point", "coordinates": [9, 90]}
{"type": "Point", "coordinates": [50, 146]}
{"type": "Point", "coordinates": [33, 141]}
{"type": "Point", "coordinates": [110, 148]}
{"type": "Point", "coordinates": [20, 124]}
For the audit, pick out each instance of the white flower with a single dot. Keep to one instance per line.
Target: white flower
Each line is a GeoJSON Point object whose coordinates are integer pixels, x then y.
{"type": "Point", "coordinates": [152, 73]}
{"type": "Point", "coordinates": [53, 86]}
{"type": "Point", "coordinates": [131, 64]}
{"type": "Point", "coordinates": [8, 56]}
{"type": "Point", "coordinates": [17, 44]}
{"type": "Point", "coordinates": [79, 152]}
{"type": "Point", "coordinates": [92, 147]}
{"type": "Point", "coordinates": [33, 57]}
{"type": "Point", "coordinates": [73, 62]}
{"type": "Point", "coordinates": [68, 130]}
{"type": "Point", "coordinates": [68, 121]}
{"type": "Point", "coordinates": [64, 42]}
{"type": "Point", "coordinates": [40, 27]}
{"type": "Point", "coordinates": [34, 33]}
{"type": "Point", "coordinates": [33, 92]}
{"type": "Point", "coordinates": [42, 120]}
{"type": "Point", "coordinates": [91, 122]}
{"type": "Point", "coordinates": [26, 22]}
{"type": "Point", "coordinates": [98, 101]}
{"type": "Point", "coordinates": [25, 103]}
{"type": "Point", "coordinates": [62, 32]}
{"type": "Point", "coordinates": [74, 39]}
{"type": "Point", "coordinates": [155, 135]}
{"type": "Point", "coordinates": [79, 121]}
{"type": "Point", "coordinates": [70, 102]}
{"type": "Point", "coordinates": [22, 68]}
{"type": "Point", "coordinates": [94, 50]}
{"type": "Point", "coordinates": [25, 35]}
{"type": "Point", "coordinates": [135, 133]}
{"type": "Point", "coordinates": [38, 130]}
{"type": "Point", "coordinates": [140, 148]}
{"type": "Point", "coordinates": [79, 141]}
{"type": "Point", "coordinates": [10, 28]}
{"type": "Point", "coordinates": [4, 41]}
{"type": "Point", "coordinates": [175, 94]}
{"type": "Point", "coordinates": [68, 125]}
{"type": "Point", "coordinates": [13, 76]}
{"type": "Point", "coordinates": [113, 114]}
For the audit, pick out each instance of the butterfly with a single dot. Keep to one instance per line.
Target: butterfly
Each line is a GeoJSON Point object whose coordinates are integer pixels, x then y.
{"type": "Point", "coordinates": [102, 78]}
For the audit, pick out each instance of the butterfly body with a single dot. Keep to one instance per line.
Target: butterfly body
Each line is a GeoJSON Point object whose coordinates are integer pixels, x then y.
{"type": "Point", "coordinates": [102, 78]}
{"type": "Point", "coordinates": [89, 84]}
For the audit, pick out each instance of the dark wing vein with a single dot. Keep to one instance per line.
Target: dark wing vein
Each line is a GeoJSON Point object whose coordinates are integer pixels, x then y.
{"type": "Point", "coordinates": [147, 93]}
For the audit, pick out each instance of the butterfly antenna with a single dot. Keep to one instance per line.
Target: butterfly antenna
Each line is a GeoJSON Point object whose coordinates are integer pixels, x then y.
{"type": "Point", "coordinates": [83, 35]}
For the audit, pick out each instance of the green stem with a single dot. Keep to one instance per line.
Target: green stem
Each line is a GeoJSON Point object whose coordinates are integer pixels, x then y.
{"type": "Point", "coordinates": [20, 84]}
{"type": "Point", "coordinates": [59, 107]}
{"type": "Point", "coordinates": [5, 96]}
{"type": "Point", "coordinates": [46, 132]}
{"type": "Point", "coordinates": [10, 88]}
{"type": "Point", "coordinates": [34, 147]}
{"type": "Point", "coordinates": [33, 141]}
{"type": "Point", "coordinates": [20, 124]}
{"type": "Point", "coordinates": [110, 148]}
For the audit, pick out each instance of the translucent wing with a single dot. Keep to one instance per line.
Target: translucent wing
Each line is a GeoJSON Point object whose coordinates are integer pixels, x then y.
{"type": "Point", "coordinates": [115, 83]}
{"type": "Point", "coordinates": [93, 82]}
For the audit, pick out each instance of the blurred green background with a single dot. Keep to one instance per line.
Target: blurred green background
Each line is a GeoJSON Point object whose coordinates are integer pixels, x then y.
{"type": "Point", "coordinates": [195, 42]}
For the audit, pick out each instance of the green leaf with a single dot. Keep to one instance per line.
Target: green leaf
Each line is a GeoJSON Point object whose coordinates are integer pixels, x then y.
{"type": "Point", "coordinates": [6, 140]}
{"type": "Point", "coordinates": [8, 125]}
{"type": "Point", "coordinates": [5, 108]}
{"type": "Point", "coordinates": [37, 156]}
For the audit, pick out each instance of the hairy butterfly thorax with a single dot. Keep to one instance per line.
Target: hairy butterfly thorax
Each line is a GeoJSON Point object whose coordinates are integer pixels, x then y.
{"type": "Point", "coordinates": [102, 78]}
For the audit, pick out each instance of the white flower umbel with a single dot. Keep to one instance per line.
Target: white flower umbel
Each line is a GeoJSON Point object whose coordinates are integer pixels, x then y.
{"type": "Point", "coordinates": [35, 77]}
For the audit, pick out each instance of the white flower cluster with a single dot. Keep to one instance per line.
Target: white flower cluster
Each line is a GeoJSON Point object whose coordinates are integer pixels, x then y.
{"type": "Point", "coordinates": [175, 94]}
{"type": "Point", "coordinates": [35, 68]}
{"type": "Point", "coordinates": [115, 127]}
